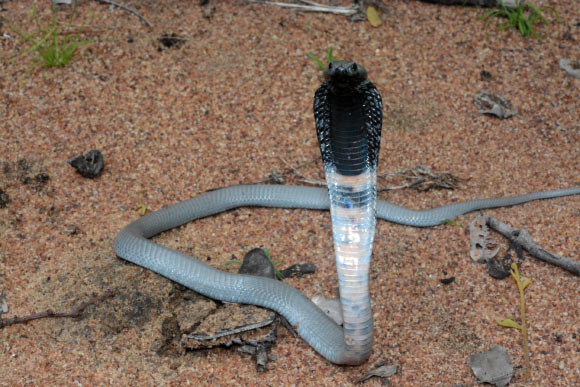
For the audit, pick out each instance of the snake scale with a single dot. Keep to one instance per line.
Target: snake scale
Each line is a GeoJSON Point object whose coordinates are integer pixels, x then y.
{"type": "Point", "coordinates": [348, 115]}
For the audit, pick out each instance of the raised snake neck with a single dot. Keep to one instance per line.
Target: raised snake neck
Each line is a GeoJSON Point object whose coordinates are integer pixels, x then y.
{"type": "Point", "coordinates": [325, 336]}
{"type": "Point", "coordinates": [348, 114]}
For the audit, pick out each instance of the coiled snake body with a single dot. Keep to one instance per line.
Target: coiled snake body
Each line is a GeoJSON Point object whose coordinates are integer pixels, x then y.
{"type": "Point", "coordinates": [348, 115]}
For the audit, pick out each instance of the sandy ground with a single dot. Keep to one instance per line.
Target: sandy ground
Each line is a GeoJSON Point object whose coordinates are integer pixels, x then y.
{"type": "Point", "coordinates": [230, 106]}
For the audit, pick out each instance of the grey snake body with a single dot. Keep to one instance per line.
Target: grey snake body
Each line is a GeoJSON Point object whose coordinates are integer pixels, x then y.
{"type": "Point", "coordinates": [325, 336]}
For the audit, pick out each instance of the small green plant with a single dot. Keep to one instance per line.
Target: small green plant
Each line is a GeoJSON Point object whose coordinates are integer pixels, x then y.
{"type": "Point", "coordinates": [275, 264]}
{"type": "Point", "coordinates": [453, 223]}
{"type": "Point", "coordinates": [511, 322]}
{"type": "Point", "coordinates": [523, 17]}
{"type": "Point", "coordinates": [321, 64]}
{"type": "Point", "coordinates": [53, 43]}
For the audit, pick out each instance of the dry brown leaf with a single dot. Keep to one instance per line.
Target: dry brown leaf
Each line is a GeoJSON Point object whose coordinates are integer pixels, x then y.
{"type": "Point", "coordinates": [480, 250]}
{"type": "Point", "coordinates": [373, 17]}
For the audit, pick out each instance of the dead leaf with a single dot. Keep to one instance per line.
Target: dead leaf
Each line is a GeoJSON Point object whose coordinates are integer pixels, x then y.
{"type": "Point", "coordinates": [383, 371]}
{"type": "Point", "coordinates": [373, 17]}
{"type": "Point", "coordinates": [480, 250]}
{"type": "Point", "coordinates": [141, 209]}
{"type": "Point", "coordinates": [4, 307]}
{"type": "Point", "coordinates": [509, 323]}
{"type": "Point", "coordinates": [141, 206]}
{"type": "Point", "coordinates": [493, 366]}
{"type": "Point", "coordinates": [572, 67]}
{"type": "Point", "coordinates": [494, 104]}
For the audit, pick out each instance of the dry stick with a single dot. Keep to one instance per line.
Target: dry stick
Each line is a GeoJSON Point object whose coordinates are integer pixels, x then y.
{"type": "Point", "coordinates": [403, 186]}
{"type": "Point", "coordinates": [511, 4]}
{"type": "Point", "coordinates": [523, 239]}
{"type": "Point", "coordinates": [304, 178]}
{"type": "Point", "coordinates": [438, 180]}
{"type": "Point", "coordinates": [475, 3]}
{"type": "Point", "coordinates": [423, 178]}
{"type": "Point", "coordinates": [76, 312]}
{"type": "Point", "coordinates": [229, 332]}
{"type": "Point", "coordinates": [307, 162]}
{"type": "Point", "coordinates": [314, 7]}
{"type": "Point", "coordinates": [276, 177]}
{"type": "Point", "coordinates": [123, 7]}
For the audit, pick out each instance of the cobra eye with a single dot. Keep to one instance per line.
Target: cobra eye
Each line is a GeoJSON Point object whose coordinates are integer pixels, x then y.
{"type": "Point", "coordinates": [354, 67]}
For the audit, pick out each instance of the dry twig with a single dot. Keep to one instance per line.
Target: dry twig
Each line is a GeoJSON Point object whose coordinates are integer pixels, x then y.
{"type": "Point", "coordinates": [311, 6]}
{"type": "Point", "coordinates": [422, 179]}
{"type": "Point", "coordinates": [130, 10]}
{"type": "Point", "coordinates": [76, 312]}
{"type": "Point", "coordinates": [523, 239]}
{"type": "Point", "coordinates": [233, 331]}
{"type": "Point", "coordinates": [305, 179]}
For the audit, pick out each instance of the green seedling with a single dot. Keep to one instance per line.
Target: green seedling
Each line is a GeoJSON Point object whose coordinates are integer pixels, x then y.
{"type": "Point", "coordinates": [511, 322]}
{"type": "Point", "coordinates": [523, 18]}
{"type": "Point", "coordinates": [321, 64]}
{"type": "Point", "coordinates": [53, 43]}
{"type": "Point", "coordinates": [275, 264]}
{"type": "Point", "coordinates": [453, 223]}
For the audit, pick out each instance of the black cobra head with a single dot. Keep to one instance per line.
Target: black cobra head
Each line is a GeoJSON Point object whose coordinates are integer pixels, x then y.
{"type": "Point", "coordinates": [348, 114]}
{"type": "Point", "coordinates": [344, 76]}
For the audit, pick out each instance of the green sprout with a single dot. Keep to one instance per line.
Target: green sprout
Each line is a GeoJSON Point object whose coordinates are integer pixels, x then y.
{"type": "Point", "coordinates": [321, 64]}
{"type": "Point", "coordinates": [511, 322]}
{"type": "Point", "coordinates": [453, 223]}
{"type": "Point", "coordinates": [54, 45]}
{"type": "Point", "coordinates": [523, 18]}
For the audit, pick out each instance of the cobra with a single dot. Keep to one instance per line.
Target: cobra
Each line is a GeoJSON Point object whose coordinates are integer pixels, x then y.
{"type": "Point", "coordinates": [348, 115]}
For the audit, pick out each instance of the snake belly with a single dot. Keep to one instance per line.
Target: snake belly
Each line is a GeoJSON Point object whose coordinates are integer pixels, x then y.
{"type": "Point", "coordinates": [351, 179]}
{"type": "Point", "coordinates": [348, 115]}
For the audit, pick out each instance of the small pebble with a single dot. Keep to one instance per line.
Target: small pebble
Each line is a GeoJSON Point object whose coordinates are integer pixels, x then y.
{"type": "Point", "coordinates": [4, 199]}
{"type": "Point", "coordinates": [72, 229]}
{"type": "Point", "coordinates": [256, 262]}
{"type": "Point", "coordinates": [89, 165]}
{"type": "Point", "coordinates": [485, 75]}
